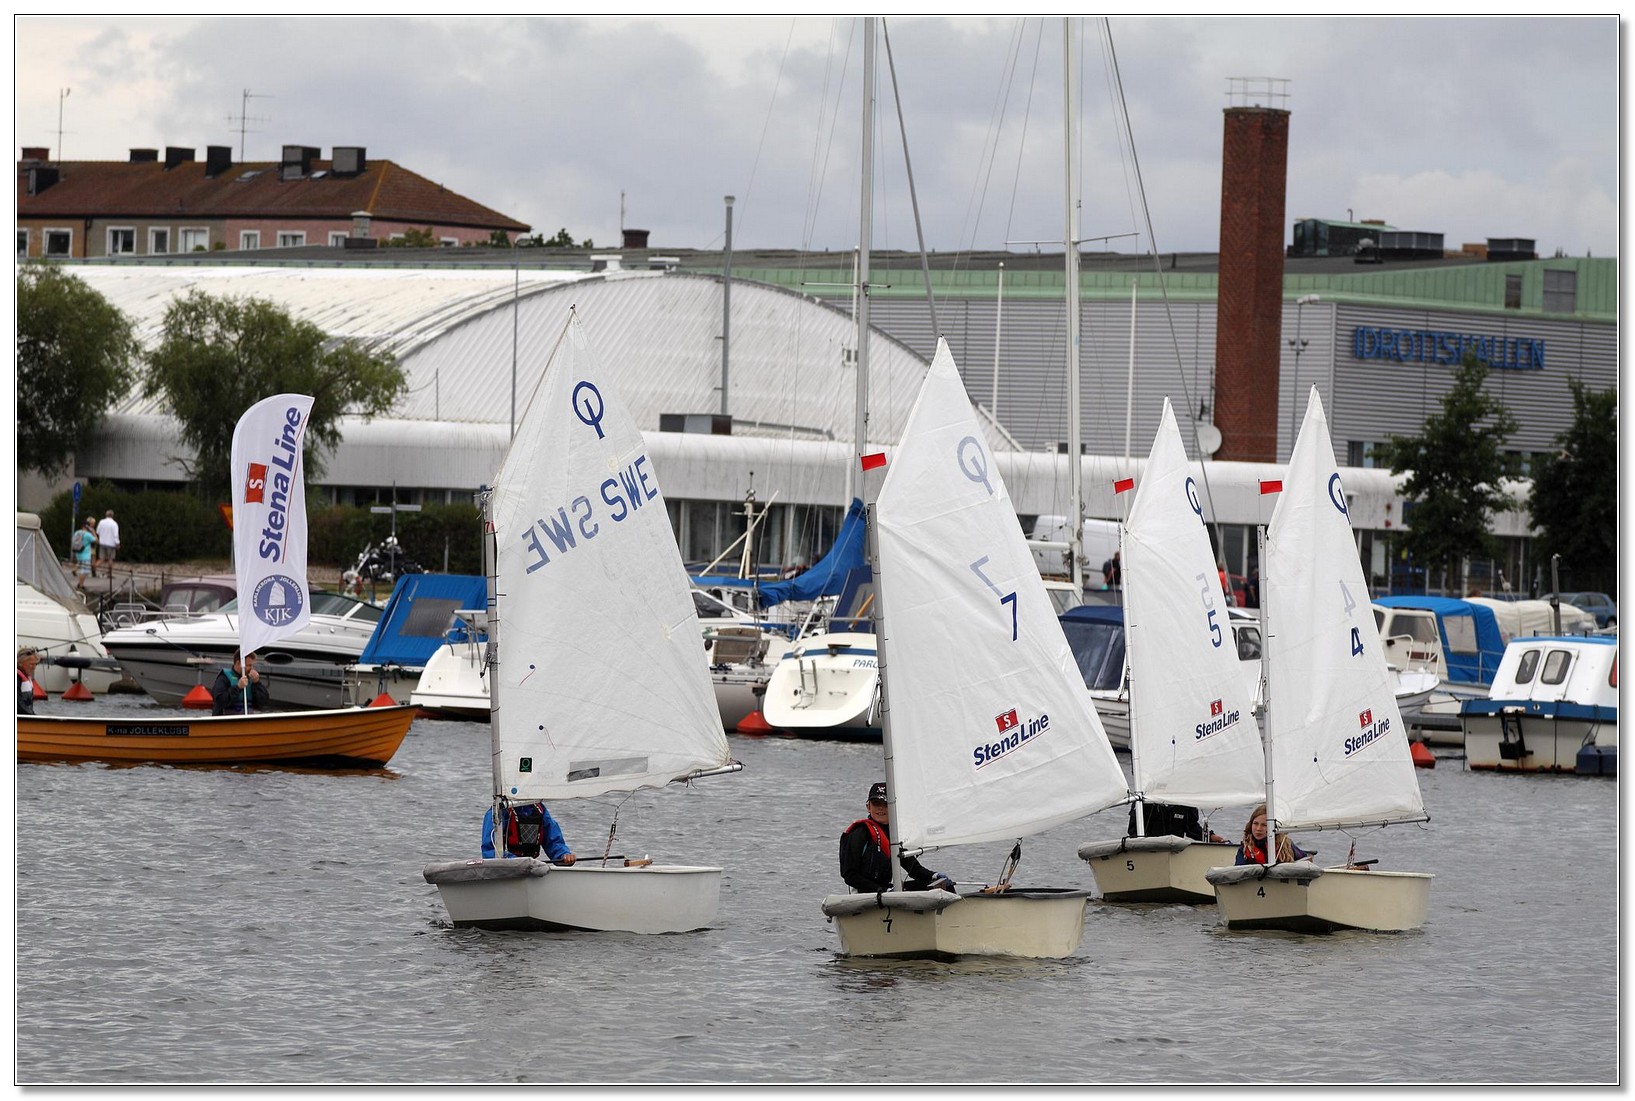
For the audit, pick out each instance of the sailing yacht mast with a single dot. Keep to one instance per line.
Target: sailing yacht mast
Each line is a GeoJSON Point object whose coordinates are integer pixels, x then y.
{"type": "Point", "coordinates": [1070, 251]}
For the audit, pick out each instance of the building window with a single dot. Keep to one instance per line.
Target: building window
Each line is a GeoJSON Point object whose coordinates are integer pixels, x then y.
{"type": "Point", "coordinates": [1560, 291]}
{"type": "Point", "coordinates": [249, 239]}
{"type": "Point", "coordinates": [195, 240]}
{"type": "Point", "coordinates": [337, 239]}
{"type": "Point", "coordinates": [22, 242]}
{"type": "Point", "coordinates": [59, 242]}
{"type": "Point", "coordinates": [449, 242]}
{"type": "Point", "coordinates": [121, 241]}
{"type": "Point", "coordinates": [158, 241]}
{"type": "Point", "coordinates": [1512, 292]}
{"type": "Point", "coordinates": [291, 240]}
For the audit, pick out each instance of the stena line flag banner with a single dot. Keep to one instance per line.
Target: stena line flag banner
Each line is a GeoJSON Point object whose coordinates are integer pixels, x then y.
{"type": "Point", "coordinates": [270, 520]}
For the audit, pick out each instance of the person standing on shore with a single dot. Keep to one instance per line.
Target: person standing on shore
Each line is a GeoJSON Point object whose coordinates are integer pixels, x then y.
{"type": "Point", "coordinates": [83, 544]}
{"type": "Point", "coordinates": [107, 542]}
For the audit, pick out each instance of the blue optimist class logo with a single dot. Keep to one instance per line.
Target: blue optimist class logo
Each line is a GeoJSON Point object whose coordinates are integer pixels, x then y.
{"type": "Point", "coordinates": [277, 600]}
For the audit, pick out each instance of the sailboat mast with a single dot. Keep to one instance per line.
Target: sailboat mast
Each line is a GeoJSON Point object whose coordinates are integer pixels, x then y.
{"type": "Point", "coordinates": [865, 243]}
{"type": "Point", "coordinates": [490, 658]}
{"type": "Point", "coordinates": [1070, 252]}
{"type": "Point", "coordinates": [1266, 695]}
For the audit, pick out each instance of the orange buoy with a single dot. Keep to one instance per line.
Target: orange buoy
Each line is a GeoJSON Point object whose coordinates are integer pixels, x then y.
{"type": "Point", "coordinates": [1423, 757]}
{"type": "Point", "coordinates": [77, 691]}
{"type": "Point", "coordinates": [198, 698]}
{"type": "Point", "coordinates": [754, 723]}
{"type": "Point", "coordinates": [39, 691]}
{"type": "Point", "coordinates": [383, 700]}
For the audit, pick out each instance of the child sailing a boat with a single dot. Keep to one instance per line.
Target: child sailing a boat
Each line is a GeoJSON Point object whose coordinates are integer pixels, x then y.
{"type": "Point", "coordinates": [529, 831]}
{"type": "Point", "coordinates": [865, 853]}
{"type": "Point", "coordinates": [1253, 849]}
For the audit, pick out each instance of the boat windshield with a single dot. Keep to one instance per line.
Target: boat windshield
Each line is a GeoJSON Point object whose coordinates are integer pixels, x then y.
{"type": "Point", "coordinates": [328, 603]}
{"type": "Point", "coordinates": [1099, 650]}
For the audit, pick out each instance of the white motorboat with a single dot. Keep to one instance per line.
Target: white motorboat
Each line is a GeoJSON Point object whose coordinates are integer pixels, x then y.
{"type": "Point", "coordinates": [453, 682]}
{"type": "Point", "coordinates": [596, 684]}
{"type": "Point", "coordinates": [1337, 753]}
{"type": "Point", "coordinates": [1553, 707]}
{"type": "Point", "coordinates": [1193, 735]}
{"type": "Point", "coordinates": [169, 656]}
{"type": "Point", "coordinates": [421, 620]}
{"type": "Point", "coordinates": [52, 618]}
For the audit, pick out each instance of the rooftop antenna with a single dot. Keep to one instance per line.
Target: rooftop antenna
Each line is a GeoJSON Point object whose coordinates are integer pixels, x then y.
{"type": "Point", "coordinates": [621, 213]}
{"type": "Point", "coordinates": [244, 118]}
{"type": "Point", "coordinates": [62, 95]}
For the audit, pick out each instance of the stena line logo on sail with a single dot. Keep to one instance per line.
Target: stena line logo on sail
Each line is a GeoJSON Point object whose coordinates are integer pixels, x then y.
{"type": "Point", "coordinates": [1219, 719]}
{"type": "Point", "coordinates": [1013, 733]}
{"type": "Point", "coordinates": [1371, 732]}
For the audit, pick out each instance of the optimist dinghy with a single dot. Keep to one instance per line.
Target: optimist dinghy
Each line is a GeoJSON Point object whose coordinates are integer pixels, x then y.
{"type": "Point", "coordinates": [597, 679]}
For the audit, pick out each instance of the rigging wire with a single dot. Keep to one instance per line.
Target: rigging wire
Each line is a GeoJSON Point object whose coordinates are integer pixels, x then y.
{"type": "Point", "coordinates": [908, 165]}
{"type": "Point", "coordinates": [1158, 267]}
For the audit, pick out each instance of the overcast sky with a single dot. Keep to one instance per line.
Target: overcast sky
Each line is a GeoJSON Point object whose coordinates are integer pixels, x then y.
{"type": "Point", "coordinates": [1472, 128]}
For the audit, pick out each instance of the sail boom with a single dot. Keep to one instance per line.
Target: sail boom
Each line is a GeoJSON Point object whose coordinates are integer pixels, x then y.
{"type": "Point", "coordinates": [1354, 824]}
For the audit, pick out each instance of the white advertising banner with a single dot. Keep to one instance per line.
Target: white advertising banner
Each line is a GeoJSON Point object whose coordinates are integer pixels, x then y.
{"type": "Point", "coordinates": [270, 520]}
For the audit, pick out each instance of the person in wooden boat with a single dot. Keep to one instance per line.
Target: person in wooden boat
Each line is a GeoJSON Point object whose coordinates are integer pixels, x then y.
{"type": "Point", "coordinates": [238, 691]}
{"type": "Point", "coordinates": [865, 853]}
{"type": "Point", "coordinates": [27, 658]}
{"type": "Point", "coordinates": [1253, 849]}
{"type": "Point", "coordinates": [529, 829]}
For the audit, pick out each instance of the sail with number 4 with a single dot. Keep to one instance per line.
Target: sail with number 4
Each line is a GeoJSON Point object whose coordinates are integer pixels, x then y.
{"type": "Point", "coordinates": [1339, 750]}
{"type": "Point", "coordinates": [1193, 736]}
{"type": "Point", "coordinates": [990, 732]}
{"type": "Point", "coordinates": [601, 684]}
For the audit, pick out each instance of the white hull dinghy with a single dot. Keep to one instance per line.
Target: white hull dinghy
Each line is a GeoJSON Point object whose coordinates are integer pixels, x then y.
{"type": "Point", "coordinates": [1337, 753]}
{"type": "Point", "coordinates": [595, 684]}
{"type": "Point", "coordinates": [529, 894]}
{"type": "Point", "coordinates": [1194, 739]}
{"type": "Point", "coordinates": [1009, 748]}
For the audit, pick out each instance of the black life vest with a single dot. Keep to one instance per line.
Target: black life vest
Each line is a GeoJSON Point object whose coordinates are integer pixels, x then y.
{"type": "Point", "coordinates": [525, 829]}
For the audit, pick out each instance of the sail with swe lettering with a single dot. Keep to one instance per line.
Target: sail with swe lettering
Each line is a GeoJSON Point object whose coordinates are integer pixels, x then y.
{"type": "Point", "coordinates": [1192, 723]}
{"type": "Point", "coordinates": [602, 683]}
{"type": "Point", "coordinates": [992, 731]}
{"type": "Point", "coordinates": [1339, 746]}
{"type": "Point", "coordinates": [270, 520]}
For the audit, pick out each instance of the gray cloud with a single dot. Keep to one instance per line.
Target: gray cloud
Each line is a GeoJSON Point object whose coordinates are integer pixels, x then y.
{"type": "Point", "coordinates": [1468, 127]}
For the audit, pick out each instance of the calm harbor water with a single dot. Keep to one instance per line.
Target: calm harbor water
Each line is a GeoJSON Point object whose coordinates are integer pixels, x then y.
{"type": "Point", "coordinates": [266, 926]}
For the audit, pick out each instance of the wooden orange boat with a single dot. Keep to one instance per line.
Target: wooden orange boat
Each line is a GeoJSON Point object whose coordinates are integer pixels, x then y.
{"type": "Point", "coordinates": [352, 737]}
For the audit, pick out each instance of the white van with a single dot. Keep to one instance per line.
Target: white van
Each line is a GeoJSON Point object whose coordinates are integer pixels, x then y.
{"type": "Point", "coordinates": [1100, 541]}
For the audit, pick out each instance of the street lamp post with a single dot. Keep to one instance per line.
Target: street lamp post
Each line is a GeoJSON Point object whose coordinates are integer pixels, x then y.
{"type": "Point", "coordinates": [1298, 343]}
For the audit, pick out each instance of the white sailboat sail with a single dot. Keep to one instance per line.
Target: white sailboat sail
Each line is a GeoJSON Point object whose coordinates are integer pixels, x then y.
{"type": "Point", "coordinates": [990, 730]}
{"type": "Point", "coordinates": [1193, 733]}
{"type": "Point", "coordinates": [601, 683]}
{"type": "Point", "coordinates": [1339, 751]}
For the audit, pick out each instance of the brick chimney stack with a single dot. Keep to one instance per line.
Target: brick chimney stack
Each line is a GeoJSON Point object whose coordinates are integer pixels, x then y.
{"type": "Point", "coordinates": [1249, 303]}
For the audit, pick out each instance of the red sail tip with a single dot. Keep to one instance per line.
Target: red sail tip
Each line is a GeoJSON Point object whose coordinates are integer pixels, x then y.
{"type": "Point", "coordinates": [1123, 484]}
{"type": "Point", "coordinates": [871, 462]}
{"type": "Point", "coordinates": [1270, 487]}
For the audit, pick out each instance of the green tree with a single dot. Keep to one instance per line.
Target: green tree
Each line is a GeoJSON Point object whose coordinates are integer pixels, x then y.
{"type": "Point", "coordinates": [76, 356]}
{"type": "Point", "coordinates": [414, 238]}
{"type": "Point", "coordinates": [564, 239]}
{"type": "Point", "coordinates": [1574, 501]}
{"type": "Point", "coordinates": [216, 357]}
{"type": "Point", "coordinates": [1454, 467]}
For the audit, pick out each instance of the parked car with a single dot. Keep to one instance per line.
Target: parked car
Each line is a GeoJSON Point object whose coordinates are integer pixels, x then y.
{"type": "Point", "coordinates": [1599, 605]}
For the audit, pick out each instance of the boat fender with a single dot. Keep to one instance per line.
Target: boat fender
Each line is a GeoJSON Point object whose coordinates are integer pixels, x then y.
{"type": "Point", "coordinates": [483, 871]}
{"type": "Point", "coordinates": [1096, 850]}
{"type": "Point", "coordinates": [919, 902]}
{"type": "Point", "coordinates": [1294, 871]}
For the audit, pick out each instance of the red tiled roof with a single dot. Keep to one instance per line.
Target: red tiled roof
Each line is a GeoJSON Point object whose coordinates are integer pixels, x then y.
{"type": "Point", "coordinates": [253, 190]}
